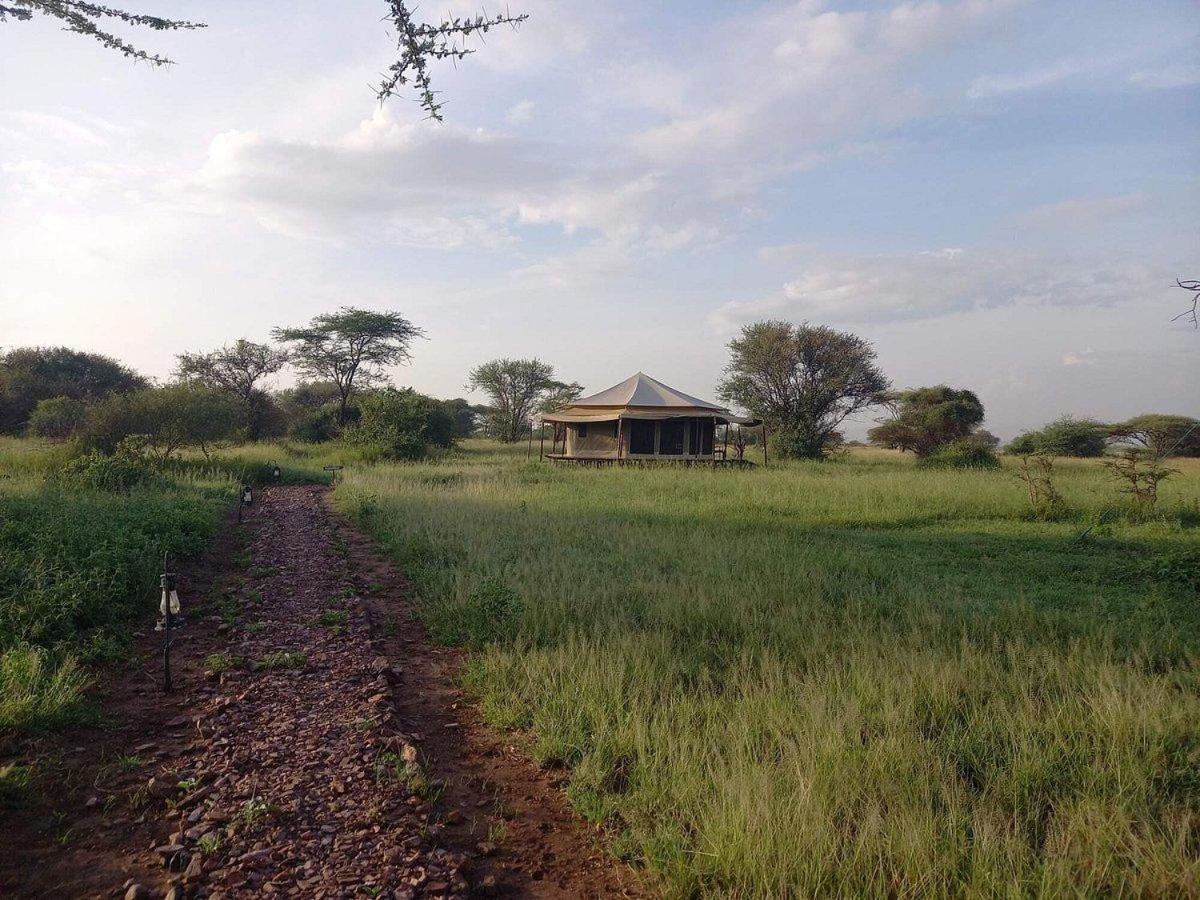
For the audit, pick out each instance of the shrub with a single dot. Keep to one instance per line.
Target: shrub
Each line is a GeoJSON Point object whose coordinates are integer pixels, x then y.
{"type": "Point", "coordinates": [1066, 436]}
{"type": "Point", "coordinates": [401, 424]}
{"type": "Point", "coordinates": [170, 418]}
{"type": "Point", "coordinates": [315, 426]}
{"type": "Point", "coordinates": [928, 418]}
{"type": "Point", "coordinates": [57, 418]}
{"type": "Point", "coordinates": [127, 467]}
{"type": "Point", "coordinates": [961, 454]}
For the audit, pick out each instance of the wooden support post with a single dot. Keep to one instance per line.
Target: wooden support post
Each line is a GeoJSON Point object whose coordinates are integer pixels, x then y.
{"type": "Point", "coordinates": [542, 443]}
{"type": "Point", "coordinates": [529, 446]}
{"type": "Point", "coordinates": [764, 443]}
{"type": "Point", "coordinates": [620, 421]}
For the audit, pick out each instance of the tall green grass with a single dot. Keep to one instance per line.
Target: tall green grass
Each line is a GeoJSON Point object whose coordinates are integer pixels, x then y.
{"type": "Point", "coordinates": [854, 677]}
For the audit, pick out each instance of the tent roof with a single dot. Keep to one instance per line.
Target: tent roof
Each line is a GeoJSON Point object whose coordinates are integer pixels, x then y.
{"type": "Point", "coordinates": [640, 397]}
{"type": "Point", "coordinates": [643, 391]}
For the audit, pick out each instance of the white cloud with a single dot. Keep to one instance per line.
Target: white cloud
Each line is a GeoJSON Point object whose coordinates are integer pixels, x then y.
{"type": "Point", "coordinates": [520, 112]}
{"type": "Point", "coordinates": [1176, 76]}
{"type": "Point", "coordinates": [803, 77]}
{"type": "Point", "coordinates": [35, 126]}
{"type": "Point", "coordinates": [1080, 358]}
{"type": "Point", "coordinates": [1085, 210]}
{"type": "Point", "coordinates": [938, 283]}
{"type": "Point", "coordinates": [1033, 79]}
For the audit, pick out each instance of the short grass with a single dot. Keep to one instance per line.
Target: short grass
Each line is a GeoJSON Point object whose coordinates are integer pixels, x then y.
{"type": "Point", "coordinates": [848, 678]}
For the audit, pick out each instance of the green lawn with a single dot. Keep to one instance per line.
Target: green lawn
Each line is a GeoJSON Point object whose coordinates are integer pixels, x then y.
{"type": "Point", "coordinates": [850, 677]}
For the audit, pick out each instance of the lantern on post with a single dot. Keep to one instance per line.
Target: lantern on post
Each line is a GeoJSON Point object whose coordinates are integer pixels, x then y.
{"type": "Point", "coordinates": [276, 472]}
{"type": "Point", "coordinates": [247, 494]}
{"type": "Point", "coordinates": [169, 607]}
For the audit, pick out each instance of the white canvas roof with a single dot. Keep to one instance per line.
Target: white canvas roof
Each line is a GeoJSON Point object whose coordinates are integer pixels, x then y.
{"type": "Point", "coordinates": [642, 390]}
{"type": "Point", "coordinates": [639, 397]}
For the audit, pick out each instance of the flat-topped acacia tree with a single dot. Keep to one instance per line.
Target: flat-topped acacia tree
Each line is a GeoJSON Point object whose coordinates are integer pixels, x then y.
{"type": "Point", "coordinates": [350, 348]}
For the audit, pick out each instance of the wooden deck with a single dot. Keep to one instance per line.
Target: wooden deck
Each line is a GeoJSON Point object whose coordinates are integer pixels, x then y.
{"type": "Point", "coordinates": [644, 461]}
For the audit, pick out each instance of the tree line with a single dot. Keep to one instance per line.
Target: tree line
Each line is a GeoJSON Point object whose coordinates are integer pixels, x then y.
{"type": "Point", "coordinates": [804, 381]}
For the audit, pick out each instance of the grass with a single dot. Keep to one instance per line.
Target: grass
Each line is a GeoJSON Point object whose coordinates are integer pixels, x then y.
{"type": "Point", "coordinates": [854, 677]}
{"type": "Point", "coordinates": [281, 659]}
{"type": "Point", "coordinates": [77, 566]}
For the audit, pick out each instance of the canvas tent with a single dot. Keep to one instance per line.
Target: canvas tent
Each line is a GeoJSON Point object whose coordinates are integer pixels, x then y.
{"type": "Point", "coordinates": [639, 419]}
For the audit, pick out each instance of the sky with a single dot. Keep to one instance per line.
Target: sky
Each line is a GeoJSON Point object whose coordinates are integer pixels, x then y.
{"type": "Point", "coordinates": [997, 194]}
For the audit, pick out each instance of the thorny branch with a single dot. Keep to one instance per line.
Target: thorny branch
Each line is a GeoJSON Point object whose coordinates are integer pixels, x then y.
{"type": "Point", "coordinates": [1190, 315]}
{"type": "Point", "coordinates": [419, 42]}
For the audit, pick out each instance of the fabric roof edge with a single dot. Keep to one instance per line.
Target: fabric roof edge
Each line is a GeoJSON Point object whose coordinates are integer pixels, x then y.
{"type": "Point", "coordinates": [661, 413]}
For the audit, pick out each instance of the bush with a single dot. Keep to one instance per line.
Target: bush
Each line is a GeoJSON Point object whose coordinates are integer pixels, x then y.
{"type": "Point", "coordinates": [315, 426]}
{"type": "Point", "coordinates": [170, 418]}
{"type": "Point", "coordinates": [127, 467]}
{"type": "Point", "coordinates": [57, 418]}
{"type": "Point", "coordinates": [961, 454]}
{"type": "Point", "coordinates": [1066, 436]}
{"type": "Point", "coordinates": [401, 424]}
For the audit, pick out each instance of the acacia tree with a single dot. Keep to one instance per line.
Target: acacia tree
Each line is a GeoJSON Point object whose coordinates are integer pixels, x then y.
{"type": "Point", "coordinates": [517, 388]}
{"type": "Point", "coordinates": [1160, 434]}
{"type": "Point", "coordinates": [417, 43]}
{"type": "Point", "coordinates": [237, 369]}
{"type": "Point", "coordinates": [350, 348]}
{"type": "Point", "coordinates": [927, 418]}
{"type": "Point", "coordinates": [802, 380]}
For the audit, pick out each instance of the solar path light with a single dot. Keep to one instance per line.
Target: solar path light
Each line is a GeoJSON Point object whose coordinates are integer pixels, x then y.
{"type": "Point", "coordinates": [169, 607]}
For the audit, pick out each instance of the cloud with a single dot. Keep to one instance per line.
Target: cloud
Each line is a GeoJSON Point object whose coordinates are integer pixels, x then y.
{"type": "Point", "coordinates": [519, 113]}
{"type": "Point", "coordinates": [1083, 210]}
{"type": "Point", "coordinates": [1176, 76]}
{"type": "Point", "coordinates": [937, 283]}
{"type": "Point", "coordinates": [1081, 358]}
{"type": "Point", "coordinates": [803, 78]}
{"type": "Point", "coordinates": [1033, 79]}
{"type": "Point", "coordinates": [34, 126]}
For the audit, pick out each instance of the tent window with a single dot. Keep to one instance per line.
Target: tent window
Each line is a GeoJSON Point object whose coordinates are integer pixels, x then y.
{"type": "Point", "coordinates": [707, 427]}
{"type": "Point", "coordinates": [582, 429]}
{"type": "Point", "coordinates": [671, 433]}
{"type": "Point", "coordinates": [641, 436]}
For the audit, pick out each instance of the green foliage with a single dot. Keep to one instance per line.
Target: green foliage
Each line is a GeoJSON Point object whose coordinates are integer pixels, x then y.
{"type": "Point", "coordinates": [77, 561]}
{"type": "Point", "coordinates": [350, 348]}
{"type": "Point", "coordinates": [401, 424]}
{"type": "Point", "coordinates": [315, 426]}
{"type": "Point", "coordinates": [29, 375]}
{"type": "Point", "coordinates": [57, 418]}
{"type": "Point", "coordinates": [125, 468]}
{"type": "Point", "coordinates": [960, 454]}
{"type": "Point", "coordinates": [517, 388]}
{"type": "Point", "coordinates": [1160, 434]}
{"type": "Point", "coordinates": [1066, 436]}
{"type": "Point", "coordinates": [281, 659]}
{"type": "Point", "coordinates": [487, 613]}
{"type": "Point", "coordinates": [803, 380]}
{"type": "Point", "coordinates": [1141, 471]}
{"type": "Point", "coordinates": [169, 418]}
{"type": "Point", "coordinates": [38, 689]}
{"type": "Point", "coordinates": [928, 418]}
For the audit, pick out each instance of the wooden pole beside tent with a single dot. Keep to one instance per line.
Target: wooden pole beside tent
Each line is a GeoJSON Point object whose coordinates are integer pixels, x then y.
{"type": "Point", "coordinates": [542, 443]}
{"type": "Point", "coordinates": [764, 443]}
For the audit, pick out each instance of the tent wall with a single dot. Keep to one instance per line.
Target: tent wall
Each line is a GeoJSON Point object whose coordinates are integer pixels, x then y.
{"type": "Point", "coordinates": [592, 439]}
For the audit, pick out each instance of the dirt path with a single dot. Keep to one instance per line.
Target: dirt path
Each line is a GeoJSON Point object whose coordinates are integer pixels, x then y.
{"type": "Point", "coordinates": [332, 757]}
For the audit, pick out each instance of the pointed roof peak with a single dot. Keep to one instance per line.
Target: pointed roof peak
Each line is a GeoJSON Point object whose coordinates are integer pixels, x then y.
{"type": "Point", "coordinates": [642, 390]}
